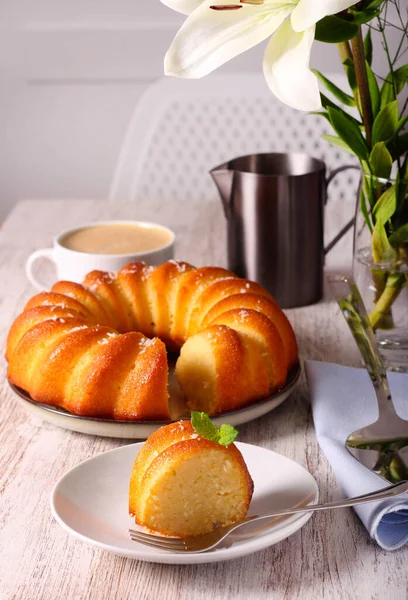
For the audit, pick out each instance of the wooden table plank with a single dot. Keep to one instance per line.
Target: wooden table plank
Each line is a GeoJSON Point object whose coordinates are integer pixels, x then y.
{"type": "Point", "coordinates": [331, 557]}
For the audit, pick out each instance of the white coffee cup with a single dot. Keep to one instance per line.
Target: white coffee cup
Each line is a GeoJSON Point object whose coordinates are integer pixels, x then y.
{"type": "Point", "coordinates": [73, 265]}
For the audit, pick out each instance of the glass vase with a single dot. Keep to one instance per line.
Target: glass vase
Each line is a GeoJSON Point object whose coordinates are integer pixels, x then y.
{"type": "Point", "coordinates": [381, 271]}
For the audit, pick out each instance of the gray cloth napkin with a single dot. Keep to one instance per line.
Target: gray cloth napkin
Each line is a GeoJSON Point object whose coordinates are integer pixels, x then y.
{"type": "Point", "coordinates": [343, 400]}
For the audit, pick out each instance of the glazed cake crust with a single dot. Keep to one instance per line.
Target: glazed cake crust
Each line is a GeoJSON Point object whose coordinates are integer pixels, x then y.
{"type": "Point", "coordinates": [86, 347]}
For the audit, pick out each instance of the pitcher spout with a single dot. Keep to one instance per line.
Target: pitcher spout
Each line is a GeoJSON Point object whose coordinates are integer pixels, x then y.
{"type": "Point", "coordinates": [223, 179]}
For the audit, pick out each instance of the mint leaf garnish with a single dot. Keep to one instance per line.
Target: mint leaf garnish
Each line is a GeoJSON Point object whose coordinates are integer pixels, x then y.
{"type": "Point", "coordinates": [227, 435]}
{"type": "Point", "coordinates": [202, 424]}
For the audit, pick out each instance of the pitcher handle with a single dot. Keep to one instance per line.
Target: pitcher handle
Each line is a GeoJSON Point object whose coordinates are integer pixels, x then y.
{"type": "Point", "coordinates": [348, 225]}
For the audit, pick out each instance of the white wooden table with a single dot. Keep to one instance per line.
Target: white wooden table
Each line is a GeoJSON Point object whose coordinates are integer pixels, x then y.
{"type": "Point", "coordinates": [331, 557]}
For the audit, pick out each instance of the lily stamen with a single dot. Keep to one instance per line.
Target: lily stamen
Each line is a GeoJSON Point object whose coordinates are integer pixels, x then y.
{"type": "Point", "coordinates": [236, 6]}
{"type": "Point", "coordinates": [225, 6]}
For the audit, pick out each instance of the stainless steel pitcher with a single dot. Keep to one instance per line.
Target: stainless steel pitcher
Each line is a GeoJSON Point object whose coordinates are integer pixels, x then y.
{"type": "Point", "coordinates": [274, 207]}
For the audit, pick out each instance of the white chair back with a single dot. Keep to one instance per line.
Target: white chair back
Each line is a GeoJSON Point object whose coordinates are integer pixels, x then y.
{"type": "Point", "coordinates": [181, 129]}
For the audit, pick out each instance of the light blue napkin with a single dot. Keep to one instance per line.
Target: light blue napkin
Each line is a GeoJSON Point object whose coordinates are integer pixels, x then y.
{"type": "Point", "coordinates": [342, 401]}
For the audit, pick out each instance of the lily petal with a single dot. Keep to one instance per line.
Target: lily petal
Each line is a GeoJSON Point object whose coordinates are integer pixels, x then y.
{"type": "Point", "coordinates": [209, 38]}
{"type": "Point", "coordinates": [309, 12]}
{"type": "Point", "coordinates": [286, 68]}
{"type": "Point", "coordinates": [183, 6]}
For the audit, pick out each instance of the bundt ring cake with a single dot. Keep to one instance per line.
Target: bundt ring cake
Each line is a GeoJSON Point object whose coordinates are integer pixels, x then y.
{"type": "Point", "coordinates": [99, 349]}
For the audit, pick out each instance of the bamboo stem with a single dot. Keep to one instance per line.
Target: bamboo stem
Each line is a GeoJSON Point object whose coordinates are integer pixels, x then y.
{"type": "Point", "coordinates": [344, 51]}
{"type": "Point", "coordinates": [357, 46]}
{"type": "Point", "coordinates": [381, 310]}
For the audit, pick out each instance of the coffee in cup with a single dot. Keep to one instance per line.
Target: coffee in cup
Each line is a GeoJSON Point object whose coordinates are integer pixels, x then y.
{"type": "Point", "coordinates": [117, 238]}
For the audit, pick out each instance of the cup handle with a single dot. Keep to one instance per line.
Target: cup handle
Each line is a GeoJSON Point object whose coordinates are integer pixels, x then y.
{"type": "Point", "coordinates": [350, 224]}
{"type": "Point", "coordinates": [43, 253]}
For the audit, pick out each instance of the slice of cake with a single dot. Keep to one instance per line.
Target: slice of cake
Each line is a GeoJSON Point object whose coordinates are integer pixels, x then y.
{"type": "Point", "coordinates": [184, 484]}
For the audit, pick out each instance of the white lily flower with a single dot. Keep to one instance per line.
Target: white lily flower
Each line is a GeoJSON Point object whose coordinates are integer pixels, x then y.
{"type": "Point", "coordinates": [286, 68]}
{"type": "Point", "coordinates": [217, 30]}
{"type": "Point", "coordinates": [309, 12]}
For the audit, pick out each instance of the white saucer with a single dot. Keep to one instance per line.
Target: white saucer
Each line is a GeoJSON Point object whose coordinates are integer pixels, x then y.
{"type": "Point", "coordinates": [91, 502]}
{"type": "Point", "coordinates": [142, 429]}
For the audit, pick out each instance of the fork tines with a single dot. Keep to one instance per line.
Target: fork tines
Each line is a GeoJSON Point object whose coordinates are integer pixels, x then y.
{"type": "Point", "coordinates": [158, 541]}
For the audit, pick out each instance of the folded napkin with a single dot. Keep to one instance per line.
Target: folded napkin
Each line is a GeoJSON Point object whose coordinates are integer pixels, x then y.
{"type": "Point", "coordinates": [343, 400]}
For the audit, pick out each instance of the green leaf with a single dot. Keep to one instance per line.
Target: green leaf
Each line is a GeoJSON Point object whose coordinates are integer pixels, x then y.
{"type": "Point", "coordinates": [349, 132]}
{"type": "Point", "coordinates": [227, 435]}
{"type": "Point", "coordinates": [202, 424]}
{"type": "Point", "coordinates": [400, 236]}
{"type": "Point", "coordinates": [387, 92]}
{"type": "Point", "coordinates": [320, 113]}
{"type": "Point", "coordinates": [401, 123]}
{"type": "Point", "coordinates": [374, 187]}
{"type": "Point", "coordinates": [369, 184]}
{"type": "Point", "coordinates": [375, 94]}
{"type": "Point", "coordinates": [404, 169]}
{"type": "Point", "coordinates": [338, 142]}
{"type": "Point", "coordinates": [326, 103]}
{"type": "Point", "coordinates": [399, 78]}
{"type": "Point", "coordinates": [351, 73]}
{"type": "Point", "coordinates": [374, 4]}
{"type": "Point", "coordinates": [364, 16]}
{"type": "Point", "coordinates": [368, 47]}
{"type": "Point", "coordinates": [333, 30]}
{"type": "Point", "coordinates": [398, 146]}
{"type": "Point", "coordinates": [326, 116]}
{"type": "Point", "coordinates": [382, 249]}
{"type": "Point", "coordinates": [386, 122]}
{"type": "Point", "coordinates": [336, 91]}
{"type": "Point", "coordinates": [364, 210]}
{"type": "Point", "coordinates": [386, 205]}
{"type": "Point", "coordinates": [365, 166]}
{"type": "Point", "coordinates": [380, 160]}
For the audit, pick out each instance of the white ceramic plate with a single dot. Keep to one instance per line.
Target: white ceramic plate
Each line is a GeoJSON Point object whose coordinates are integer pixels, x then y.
{"type": "Point", "coordinates": [91, 502]}
{"type": "Point", "coordinates": [142, 429]}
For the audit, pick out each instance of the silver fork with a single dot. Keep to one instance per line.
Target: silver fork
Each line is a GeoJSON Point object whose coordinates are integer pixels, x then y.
{"type": "Point", "coordinates": [208, 541]}
{"type": "Point", "coordinates": [381, 446]}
